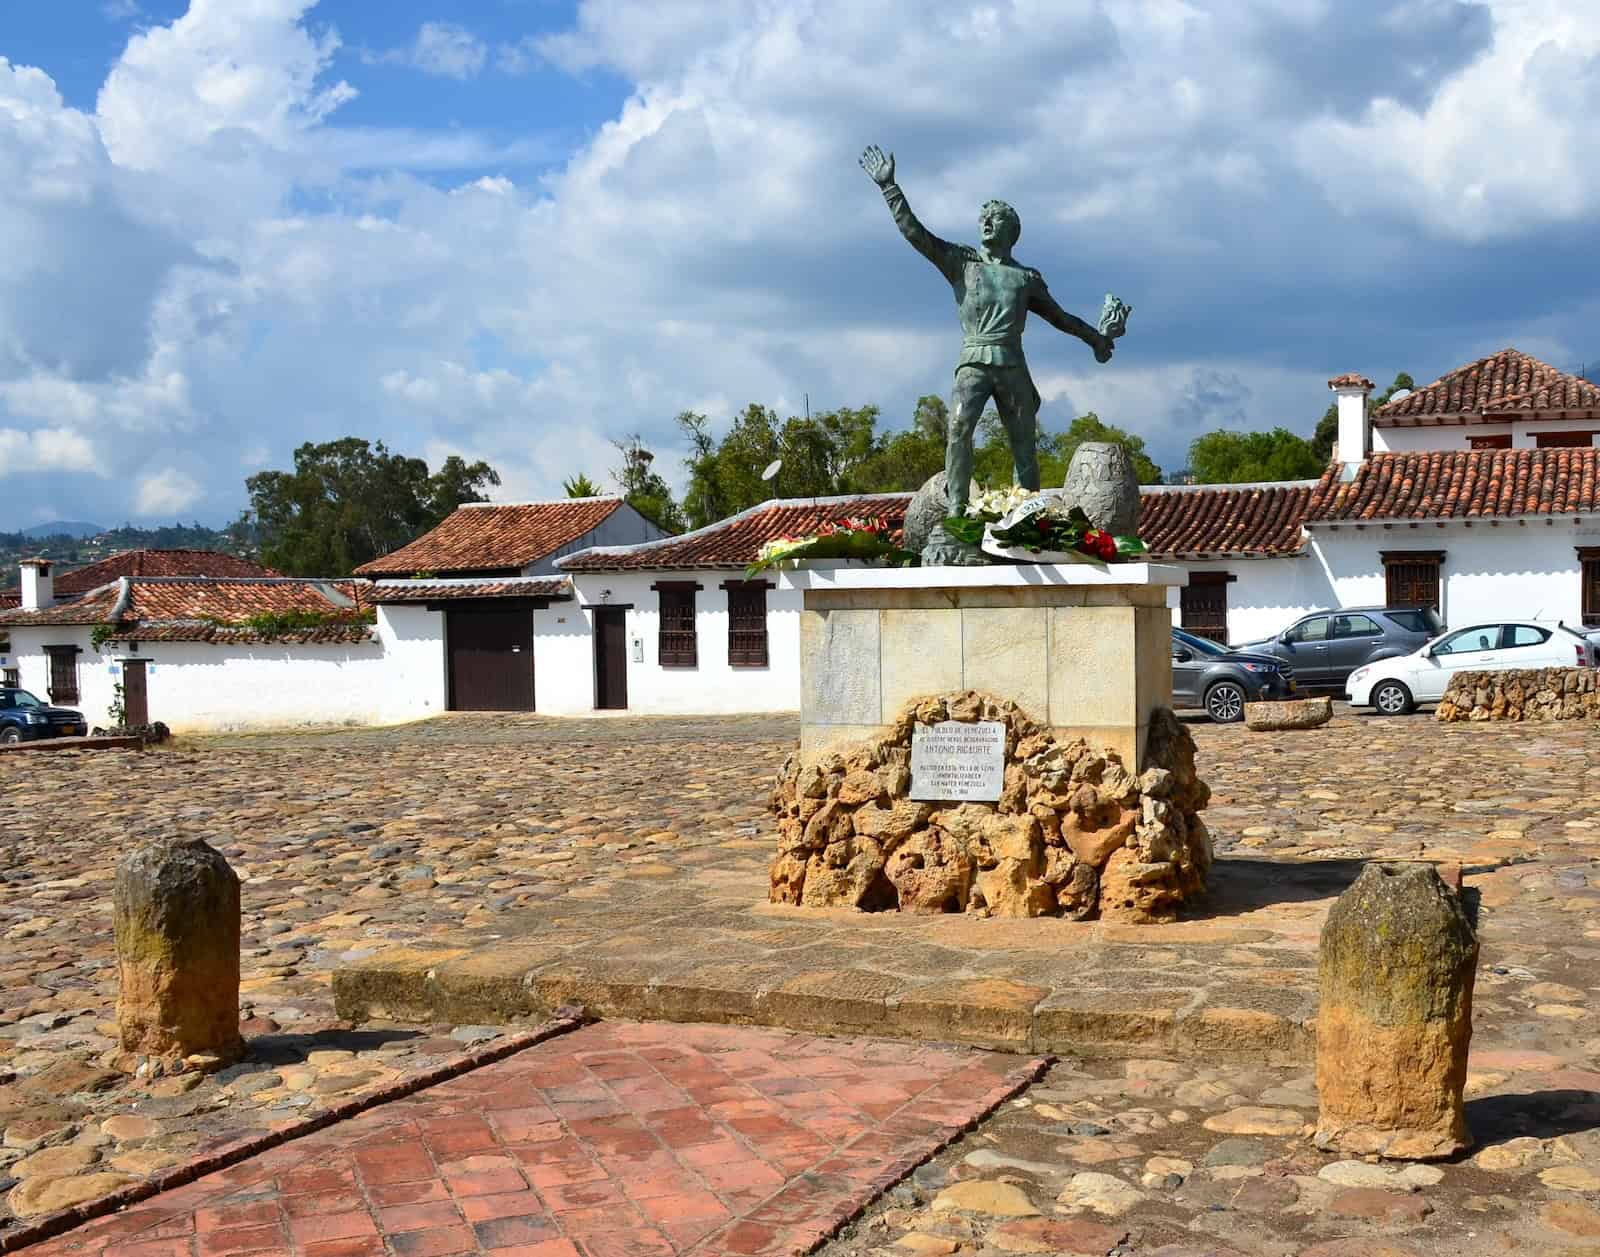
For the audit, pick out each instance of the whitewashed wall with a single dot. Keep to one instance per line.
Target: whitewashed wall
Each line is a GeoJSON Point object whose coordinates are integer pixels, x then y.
{"type": "Point", "coordinates": [1490, 571]}
{"type": "Point", "coordinates": [564, 653]}
{"type": "Point", "coordinates": [1265, 596]}
{"type": "Point", "coordinates": [197, 687]}
{"type": "Point", "coordinates": [1454, 436]}
{"type": "Point", "coordinates": [413, 646]}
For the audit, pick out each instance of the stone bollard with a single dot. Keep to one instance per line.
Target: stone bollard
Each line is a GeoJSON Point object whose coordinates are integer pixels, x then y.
{"type": "Point", "coordinates": [177, 925]}
{"type": "Point", "coordinates": [1397, 964]}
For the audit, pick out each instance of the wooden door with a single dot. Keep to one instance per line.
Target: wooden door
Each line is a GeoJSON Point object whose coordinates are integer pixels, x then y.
{"type": "Point", "coordinates": [135, 695]}
{"type": "Point", "coordinates": [610, 659]}
{"type": "Point", "coordinates": [491, 659]}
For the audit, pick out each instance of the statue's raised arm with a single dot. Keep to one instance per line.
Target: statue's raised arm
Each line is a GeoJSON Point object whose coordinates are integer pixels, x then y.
{"type": "Point", "coordinates": [946, 256]}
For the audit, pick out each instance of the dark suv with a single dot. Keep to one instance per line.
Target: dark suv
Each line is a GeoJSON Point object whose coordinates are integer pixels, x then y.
{"type": "Point", "coordinates": [24, 718]}
{"type": "Point", "coordinates": [1222, 680]}
{"type": "Point", "coordinates": [1325, 647]}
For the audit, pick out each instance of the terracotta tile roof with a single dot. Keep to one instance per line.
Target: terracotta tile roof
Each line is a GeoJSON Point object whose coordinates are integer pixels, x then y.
{"type": "Point", "coordinates": [1218, 520]}
{"type": "Point", "coordinates": [1461, 484]}
{"type": "Point", "coordinates": [1508, 382]}
{"type": "Point", "coordinates": [10, 598]}
{"type": "Point", "coordinates": [737, 540]}
{"type": "Point", "coordinates": [449, 590]}
{"type": "Point", "coordinates": [1352, 379]}
{"type": "Point", "coordinates": [156, 563]}
{"type": "Point", "coordinates": [210, 609]}
{"type": "Point", "coordinates": [479, 538]}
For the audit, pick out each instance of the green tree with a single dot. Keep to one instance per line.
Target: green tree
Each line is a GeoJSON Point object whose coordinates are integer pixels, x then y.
{"type": "Point", "coordinates": [1246, 457]}
{"type": "Point", "coordinates": [1327, 432]}
{"type": "Point", "coordinates": [1057, 456]}
{"type": "Point", "coordinates": [643, 488]}
{"type": "Point", "coordinates": [349, 501]}
{"type": "Point", "coordinates": [900, 462]}
{"type": "Point", "coordinates": [725, 475]}
{"type": "Point", "coordinates": [580, 486]}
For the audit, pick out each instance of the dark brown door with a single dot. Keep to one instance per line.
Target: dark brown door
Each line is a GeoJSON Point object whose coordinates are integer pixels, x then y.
{"type": "Point", "coordinates": [610, 659]}
{"type": "Point", "coordinates": [135, 697]}
{"type": "Point", "coordinates": [491, 659]}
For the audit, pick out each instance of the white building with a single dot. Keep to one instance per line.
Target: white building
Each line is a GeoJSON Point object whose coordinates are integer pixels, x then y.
{"type": "Point", "coordinates": [204, 653]}
{"type": "Point", "coordinates": [1478, 495]}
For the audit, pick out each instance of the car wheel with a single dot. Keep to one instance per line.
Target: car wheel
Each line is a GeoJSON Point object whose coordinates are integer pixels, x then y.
{"type": "Point", "coordinates": [1225, 702]}
{"type": "Point", "coordinates": [1391, 698]}
{"type": "Point", "coordinates": [11, 736]}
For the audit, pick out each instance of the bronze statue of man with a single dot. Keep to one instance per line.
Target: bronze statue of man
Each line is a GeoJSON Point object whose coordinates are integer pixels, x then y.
{"type": "Point", "coordinates": [994, 293]}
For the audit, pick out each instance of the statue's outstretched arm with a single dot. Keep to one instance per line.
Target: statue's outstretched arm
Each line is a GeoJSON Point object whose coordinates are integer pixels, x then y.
{"type": "Point", "coordinates": [1046, 307]}
{"type": "Point", "coordinates": [946, 256]}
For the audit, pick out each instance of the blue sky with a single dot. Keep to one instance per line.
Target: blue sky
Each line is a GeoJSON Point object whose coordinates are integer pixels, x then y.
{"type": "Point", "coordinates": [523, 229]}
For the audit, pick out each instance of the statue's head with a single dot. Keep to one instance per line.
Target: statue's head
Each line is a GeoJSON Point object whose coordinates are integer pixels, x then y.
{"type": "Point", "coordinates": [998, 224]}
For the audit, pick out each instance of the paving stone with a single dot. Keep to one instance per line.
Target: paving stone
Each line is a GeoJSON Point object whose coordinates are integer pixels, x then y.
{"type": "Point", "coordinates": [1002, 1200]}
{"type": "Point", "coordinates": [1378, 1205]}
{"type": "Point", "coordinates": [1051, 1235]}
{"type": "Point", "coordinates": [1103, 1193]}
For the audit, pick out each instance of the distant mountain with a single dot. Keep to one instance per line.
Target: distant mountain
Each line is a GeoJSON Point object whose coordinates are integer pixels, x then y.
{"type": "Point", "coordinates": [73, 528]}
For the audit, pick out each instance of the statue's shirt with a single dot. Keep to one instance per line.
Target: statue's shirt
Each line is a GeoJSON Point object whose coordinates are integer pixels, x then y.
{"type": "Point", "coordinates": [993, 298]}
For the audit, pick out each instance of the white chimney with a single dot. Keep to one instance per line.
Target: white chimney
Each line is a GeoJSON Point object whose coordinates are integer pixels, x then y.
{"type": "Point", "coordinates": [38, 586]}
{"type": "Point", "coordinates": [1355, 434]}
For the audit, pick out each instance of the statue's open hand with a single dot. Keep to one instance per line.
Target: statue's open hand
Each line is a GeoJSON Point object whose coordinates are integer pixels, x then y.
{"type": "Point", "coordinates": [1103, 351]}
{"type": "Point", "coordinates": [879, 166]}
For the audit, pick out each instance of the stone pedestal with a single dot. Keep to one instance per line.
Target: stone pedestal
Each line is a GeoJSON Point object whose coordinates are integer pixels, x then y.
{"type": "Point", "coordinates": [176, 911]}
{"type": "Point", "coordinates": [1396, 971]}
{"type": "Point", "coordinates": [1082, 649]}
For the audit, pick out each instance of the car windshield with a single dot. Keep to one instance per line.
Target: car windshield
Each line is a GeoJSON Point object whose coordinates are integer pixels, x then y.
{"type": "Point", "coordinates": [1197, 644]}
{"type": "Point", "coordinates": [19, 698]}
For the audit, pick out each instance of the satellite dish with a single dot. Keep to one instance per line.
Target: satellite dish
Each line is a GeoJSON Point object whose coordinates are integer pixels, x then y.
{"type": "Point", "coordinates": [1399, 393]}
{"type": "Point", "coordinates": [772, 469]}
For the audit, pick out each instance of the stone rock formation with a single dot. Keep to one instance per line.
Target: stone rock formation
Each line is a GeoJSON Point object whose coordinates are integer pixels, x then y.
{"type": "Point", "coordinates": [1101, 479]}
{"type": "Point", "coordinates": [1523, 694]}
{"type": "Point", "coordinates": [1397, 964]}
{"type": "Point", "coordinates": [925, 512]}
{"type": "Point", "coordinates": [1294, 713]}
{"type": "Point", "coordinates": [176, 913]}
{"type": "Point", "coordinates": [1074, 832]}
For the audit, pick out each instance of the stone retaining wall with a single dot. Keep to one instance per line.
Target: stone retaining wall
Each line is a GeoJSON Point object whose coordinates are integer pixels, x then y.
{"type": "Point", "coordinates": [1074, 833]}
{"type": "Point", "coordinates": [1524, 694]}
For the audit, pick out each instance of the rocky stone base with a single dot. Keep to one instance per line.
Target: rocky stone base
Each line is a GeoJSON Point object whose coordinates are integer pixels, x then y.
{"type": "Point", "coordinates": [1295, 713]}
{"type": "Point", "coordinates": [1524, 694]}
{"type": "Point", "coordinates": [1074, 834]}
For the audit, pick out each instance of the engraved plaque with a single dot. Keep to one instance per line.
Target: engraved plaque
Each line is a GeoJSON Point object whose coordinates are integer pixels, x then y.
{"type": "Point", "coordinates": [958, 760]}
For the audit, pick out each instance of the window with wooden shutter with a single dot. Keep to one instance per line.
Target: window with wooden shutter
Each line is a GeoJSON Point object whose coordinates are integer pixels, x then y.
{"type": "Point", "coordinates": [1203, 605]}
{"type": "Point", "coordinates": [63, 673]}
{"type": "Point", "coordinates": [747, 623]}
{"type": "Point", "coordinates": [676, 644]}
{"type": "Point", "coordinates": [1411, 577]}
{"type": "Point", "coordinates": [1589, 566]}
{"type": "Point", "coordinates": [1498, 441]}
{"type": "Point", "coordinates": [11, 678]}
{"type": "Point", "coordinates": [1563, 440]}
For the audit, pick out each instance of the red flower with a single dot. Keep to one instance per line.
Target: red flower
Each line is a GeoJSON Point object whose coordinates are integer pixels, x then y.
{"type": "Point", "coordinates": [1100, 544]}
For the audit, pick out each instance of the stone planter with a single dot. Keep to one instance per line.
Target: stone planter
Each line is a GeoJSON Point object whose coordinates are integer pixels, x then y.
{"type": "Point", "coordinates": [1294, 713]}
{"type": "Point", "coordinates": [1101, 480]}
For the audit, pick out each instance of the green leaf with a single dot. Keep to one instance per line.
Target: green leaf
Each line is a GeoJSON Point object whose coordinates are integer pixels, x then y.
{"type": "Point", "coordinates": [1131, 545]}
{"type": "Point", "coordinates": [967, 529]}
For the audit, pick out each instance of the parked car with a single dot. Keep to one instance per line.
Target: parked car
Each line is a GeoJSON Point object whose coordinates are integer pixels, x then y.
{"type": "Point", "coordinates": [1325, 647]}
{"type": "Point", "coordinates": [24, 718]}
{"type": "Point", "coordinates": [1222, 681]}
{"type": "Point", "coordinates": [1396, 686]}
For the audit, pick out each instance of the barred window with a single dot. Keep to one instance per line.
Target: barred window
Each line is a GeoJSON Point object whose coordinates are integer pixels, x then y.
{"type": "Point", "coordinates": [676, 645]}
{"type": "Point", "coordinates": [1589, 564]}
{"type": "Point", "coordinates": [1411, 577]}
{"type": "Point", "coordinates": [747, 623]}
{"type": "Point", "coordinates": [63, 673]}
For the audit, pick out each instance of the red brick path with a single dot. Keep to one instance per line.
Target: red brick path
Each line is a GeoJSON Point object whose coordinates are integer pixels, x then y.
{"type": "Point", "coordinates": [618, 1140]}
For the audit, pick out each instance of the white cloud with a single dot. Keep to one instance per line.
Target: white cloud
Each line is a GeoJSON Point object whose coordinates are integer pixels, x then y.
{"type": "Point", "coordinates": [440, 48]}
{"type": "Point", "coordinates": [167, 492]}
{"type": "Point", "coordinates": [1505, 145]}
{"type": "Point", "coordinates": [46, 449]}
{"type": "Point", "coordinates": [120, 10]}
{"type": "Point", "coordinates": [211, 268]}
